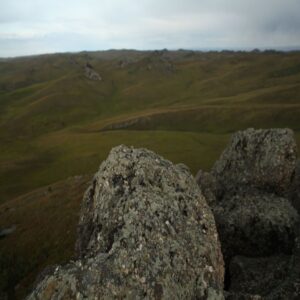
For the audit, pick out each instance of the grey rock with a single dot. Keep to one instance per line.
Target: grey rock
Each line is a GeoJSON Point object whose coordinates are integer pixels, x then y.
{"type": "Point", "coordinates": [145, 232]}
{"type": "Point", "coordinates": [7, 231]}
{"type": "Point", "coordinates": [255, 225]}
{"type": "Point", "coordinates": [208, 185]}
{"type": "Point", "coordinates": [257, 159]}
{"type": "Point", "coordinates": [255, 179]}
{"type": "Point", "coordinates": [90, 73]}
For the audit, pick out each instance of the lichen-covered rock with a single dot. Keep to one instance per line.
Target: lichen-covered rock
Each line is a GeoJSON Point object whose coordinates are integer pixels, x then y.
{"type": "Point", "coordinates": [260, 159]}
{"type": "Point", "coordinates": [145, 232]}
{"type": "Point", "coordinates": [255, 225]}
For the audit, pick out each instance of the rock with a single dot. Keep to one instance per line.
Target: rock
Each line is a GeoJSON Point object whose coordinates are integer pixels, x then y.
{"type": "Point", "coordinates": [272, 278]}
{"type": "Point", "coordinates": [145, 232]}
{"type": "Point", "coordinates": [290, 287]}
{"type": "Point", "coordinates": [90, 73]}
{"type": "Point", "coordinates": [250, 189]}
{"type": "Point", "coordinates": [7, 231]}
{"type": "Point", "coordinates": [3, 296]}
{"type": "Point", "coordinates": [294, 191]}
{"type": "Point", "coordinates": [257, 159]}
{"type": "Point", "coordinates": [208, 185]}
{"type": "Point", "coordinates": [255, 225]}
{"type": "Point", "coordinates": [258, 275]}
{"type": "Point", "coordinates": [241, 296]}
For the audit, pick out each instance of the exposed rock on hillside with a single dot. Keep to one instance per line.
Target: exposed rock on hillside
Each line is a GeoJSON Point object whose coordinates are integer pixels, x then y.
{"type": "Point", "coordinates": [90, 73]}
{"type": "Point", "coordinates": [248, 190]}
{"type": "Point", "coordinates": [145, 232]}
{"type": "Point", "coordinates": [7, 231]}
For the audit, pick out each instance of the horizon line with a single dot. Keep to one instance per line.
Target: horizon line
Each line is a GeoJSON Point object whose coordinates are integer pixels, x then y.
{"type": "Point", "coordinates": [200, 49]}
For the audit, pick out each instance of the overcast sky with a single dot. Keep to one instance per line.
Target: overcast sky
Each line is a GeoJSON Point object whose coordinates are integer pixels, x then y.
{"type": "Point", "coordinates": [44, 26]}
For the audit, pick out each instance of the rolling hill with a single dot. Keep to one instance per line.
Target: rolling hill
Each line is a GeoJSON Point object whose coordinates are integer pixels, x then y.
{"type": "Point", "coordinates": [55, 123]}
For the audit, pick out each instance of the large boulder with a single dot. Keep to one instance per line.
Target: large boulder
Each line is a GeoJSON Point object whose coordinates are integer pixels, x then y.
{"type": "Point", "coordinates": [247, 190]}
{"type": "Point", "coordinates": [145, 232]}
{"type": "Point", "coordinates": [257, 159]}
{"type": "Point", "coordinates": [252, 189]}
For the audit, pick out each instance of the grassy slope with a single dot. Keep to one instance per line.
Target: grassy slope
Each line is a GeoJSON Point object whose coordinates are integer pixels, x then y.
{"type": "Point", "coordinates": [184, 105]}
{"type": "Point", "coordinates": [208, 93]}
{"type": "Point", "coordinates": [41, 217]}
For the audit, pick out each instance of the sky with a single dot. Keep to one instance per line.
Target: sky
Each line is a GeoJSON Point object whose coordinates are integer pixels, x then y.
{"type": "Point", "coordinates": [46, 26]}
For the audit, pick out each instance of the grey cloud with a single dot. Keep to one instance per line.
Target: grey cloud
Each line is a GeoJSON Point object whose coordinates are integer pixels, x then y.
{"type": "Point", "coordinates": [37, 26]}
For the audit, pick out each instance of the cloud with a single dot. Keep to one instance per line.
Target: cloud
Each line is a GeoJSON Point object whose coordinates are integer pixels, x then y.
{"type": "Point", "coordinates": [38, 26]}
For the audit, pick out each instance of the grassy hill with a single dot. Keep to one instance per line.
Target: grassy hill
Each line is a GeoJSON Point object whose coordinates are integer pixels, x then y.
{"type": "Point", "coordinates": [56, 123]}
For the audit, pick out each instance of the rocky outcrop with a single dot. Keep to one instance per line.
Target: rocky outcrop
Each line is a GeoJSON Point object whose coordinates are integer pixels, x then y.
{"type": "Point", "coordinates": [250, 190]}
{"type": "Point", "coordinates": [145, 232]}
{"type": "Point", "coordinates": [91, 74]}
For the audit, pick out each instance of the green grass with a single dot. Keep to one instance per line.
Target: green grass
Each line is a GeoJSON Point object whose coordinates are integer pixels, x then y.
{"type": "Point", "coordinates": [54, 124]}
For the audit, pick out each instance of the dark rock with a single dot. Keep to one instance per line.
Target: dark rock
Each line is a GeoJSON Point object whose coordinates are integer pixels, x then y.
{"type": "Point", "coordinates": [145, 232]}
{"type": "Point", "coordinates": [294, 191]}
{"type": "Point", "coordinates": [258, 275]}
{"type": "Point", "coordinates": [257, 159]}
{"type": "Point", "coordinates": [208, 185]}
{"type": "Point", "coordinates": [290, 287]}
{"type": "Point", "coordinates": [255, 225]}
{"type": "Point", "coordinates": [250, 189]}
{"type": "Point", "coordinates": [3, 296]}
{"type": "Point", "coordinates": [7, 231]}
{"type": "Point", "coordinates": [273, 278]}
{"type": "Point", "coordinates": [241, 296]}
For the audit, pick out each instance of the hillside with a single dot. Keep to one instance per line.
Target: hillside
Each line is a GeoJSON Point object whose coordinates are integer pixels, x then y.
{"type": "Point", "coordinates": [191, 100]}
{"type": "Point", "coordinates": [55, 123]}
